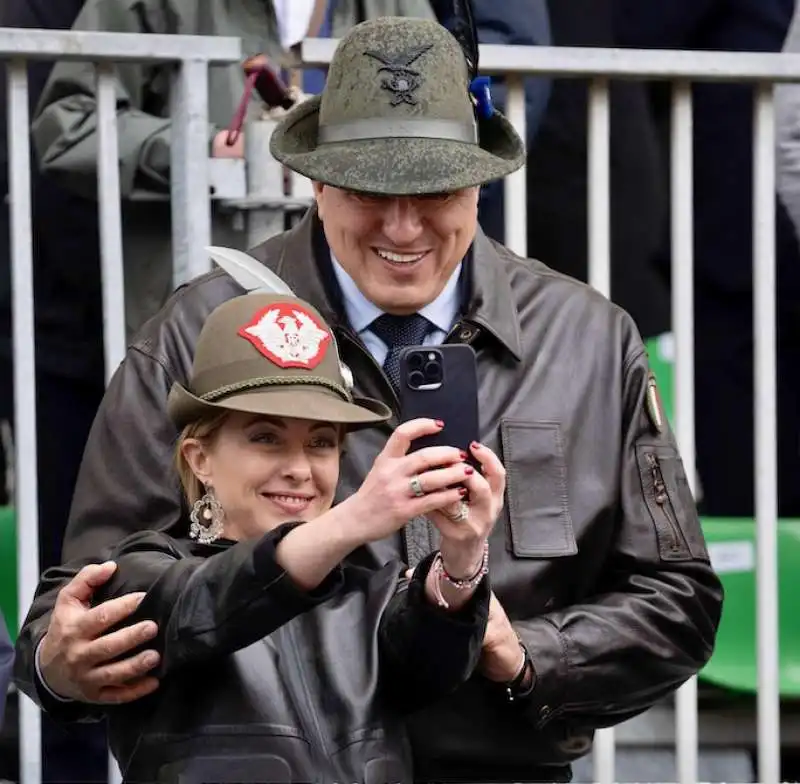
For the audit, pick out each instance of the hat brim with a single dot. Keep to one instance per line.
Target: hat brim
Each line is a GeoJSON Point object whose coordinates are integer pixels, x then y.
{"type": "Point", "coordinates": [318, 405]}
{"type": "Point", "coordinates": [396, 166]}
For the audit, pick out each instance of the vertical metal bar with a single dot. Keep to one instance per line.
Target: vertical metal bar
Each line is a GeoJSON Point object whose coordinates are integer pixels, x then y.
{"type": "Point", "coordinates": [19, 163]}
{"type": "Point", "coordinates": [599, 227]}
{"type": "Point", "coordinates": [191, 207]}
{"type": "Point", "coordinates": [766, 465]}
{"type": "Point", "coordinates": [111, 259]}
{"type": "Point", "coordinates": [599, 179]}
{"type": "Point", "coordinates": [683, 329]}
{"type": "Point", "coordinates": [515, 189]}
{"type": "Point", "coordinates": [109, 213]}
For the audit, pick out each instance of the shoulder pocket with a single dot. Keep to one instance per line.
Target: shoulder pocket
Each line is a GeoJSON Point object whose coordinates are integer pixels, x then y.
{"type": "Point", "coordinates": [538, 511]}
{"type": "Point", "coordinates": [669, 500]}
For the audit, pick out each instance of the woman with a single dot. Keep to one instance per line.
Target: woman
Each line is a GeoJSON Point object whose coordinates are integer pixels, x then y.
{"type": "Point", "coordinates": [281, 660]}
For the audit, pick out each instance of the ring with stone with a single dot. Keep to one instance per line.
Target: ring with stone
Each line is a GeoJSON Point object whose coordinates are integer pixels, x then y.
{"type": "Point", "coordinates": [462, 513]}
{"type": "Point", "coordinates": [416, 486]}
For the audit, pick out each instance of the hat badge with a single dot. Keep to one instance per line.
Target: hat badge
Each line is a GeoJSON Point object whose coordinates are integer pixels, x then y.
{"type": "Point", "coordinates": [287, 335]}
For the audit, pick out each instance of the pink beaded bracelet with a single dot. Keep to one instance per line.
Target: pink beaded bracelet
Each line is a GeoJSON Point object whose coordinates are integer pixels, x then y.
{"type": "Point", "coordinates": [460, 584]}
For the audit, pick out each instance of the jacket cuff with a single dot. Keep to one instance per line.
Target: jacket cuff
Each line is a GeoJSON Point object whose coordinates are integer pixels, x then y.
{"type": "Point", "coordinates": [547, 649]}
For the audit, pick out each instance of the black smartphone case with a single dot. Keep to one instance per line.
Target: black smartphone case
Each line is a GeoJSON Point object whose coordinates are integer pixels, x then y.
{"type": "Point", "coordinates": [455, 401]}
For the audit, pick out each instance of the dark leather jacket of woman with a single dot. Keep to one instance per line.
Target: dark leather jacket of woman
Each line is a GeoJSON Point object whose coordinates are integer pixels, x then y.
{"type": "Point", "coordinates": [263, 682]}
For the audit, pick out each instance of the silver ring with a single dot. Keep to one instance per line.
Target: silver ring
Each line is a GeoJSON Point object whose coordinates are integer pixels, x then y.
{"type": "Point", "coordinates": [416, 486]}
{"type": "Point", "coordinates": [462, 513]}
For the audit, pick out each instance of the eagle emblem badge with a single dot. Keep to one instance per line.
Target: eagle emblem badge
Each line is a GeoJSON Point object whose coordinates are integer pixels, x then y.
{"type": "Point", "coordinates": [402, 80]}
{"type": "Point", "coordinates": [288, 336]}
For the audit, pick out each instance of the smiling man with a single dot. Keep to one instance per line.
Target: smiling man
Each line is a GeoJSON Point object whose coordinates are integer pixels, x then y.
{"type": "Point", "coordinates": [605, 601]}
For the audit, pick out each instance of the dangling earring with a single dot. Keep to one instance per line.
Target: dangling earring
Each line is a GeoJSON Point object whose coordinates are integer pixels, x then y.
{"type": "Point", "coordinates": [207, 517]}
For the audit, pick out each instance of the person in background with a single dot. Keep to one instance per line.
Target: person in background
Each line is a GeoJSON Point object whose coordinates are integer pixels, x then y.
{"type": "Point", "coordinates": [557, 176]}
{"type": "Point", "coordinates": [70, 373]}
{"type": "Point", "coordinates": [723, 255]}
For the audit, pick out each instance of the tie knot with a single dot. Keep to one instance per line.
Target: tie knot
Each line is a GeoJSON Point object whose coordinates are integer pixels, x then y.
{"type": "Point", "coordinates": [398, 331]}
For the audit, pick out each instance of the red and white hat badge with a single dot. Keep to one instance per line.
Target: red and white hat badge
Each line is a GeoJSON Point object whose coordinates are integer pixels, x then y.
{"type": "Point", "coordinates": [288, 335]}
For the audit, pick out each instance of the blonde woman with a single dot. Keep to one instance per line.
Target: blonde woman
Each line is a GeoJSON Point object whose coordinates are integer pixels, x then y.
{"type": "Point", "coordinates": [282, 658]}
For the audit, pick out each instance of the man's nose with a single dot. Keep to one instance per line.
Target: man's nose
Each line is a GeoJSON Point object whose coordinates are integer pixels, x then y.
{"type": "Point", "coordinates": [402, 221]}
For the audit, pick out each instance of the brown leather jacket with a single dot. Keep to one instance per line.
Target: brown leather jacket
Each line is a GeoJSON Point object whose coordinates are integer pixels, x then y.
{"type": "Point", "coordinates": [598, 559]}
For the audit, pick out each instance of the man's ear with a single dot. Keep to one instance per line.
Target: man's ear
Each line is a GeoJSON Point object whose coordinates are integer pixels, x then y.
{"type": "Point", "coordinates": [198, 459]}
{"type": "Point", "coordinates": [319, 196]}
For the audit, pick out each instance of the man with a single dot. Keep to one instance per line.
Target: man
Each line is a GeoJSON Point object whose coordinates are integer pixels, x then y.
{"type": "Point", "coordinates": [599, 560]}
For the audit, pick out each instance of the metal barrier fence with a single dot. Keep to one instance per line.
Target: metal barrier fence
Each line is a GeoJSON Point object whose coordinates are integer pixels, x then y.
{"type": "Point", "coordinates": [680, 68]}
{"type": "Point", "coordinates": [191, 219]}
{"type": "Point", "coordinates": [192, 173]}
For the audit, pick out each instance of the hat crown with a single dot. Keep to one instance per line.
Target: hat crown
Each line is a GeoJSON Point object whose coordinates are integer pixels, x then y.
{"type": "Point", "coordinates": [397, 69]}
{"type": "Point", "coordinates": [259, 340]}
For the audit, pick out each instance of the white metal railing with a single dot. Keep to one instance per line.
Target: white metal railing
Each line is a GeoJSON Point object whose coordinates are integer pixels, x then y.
{"type": "Point", "coordinates": [681, 68]}
{"type": "Point", "coordinates": [191, 221]}
{"type": "Point", "coordinates": [192, 172]}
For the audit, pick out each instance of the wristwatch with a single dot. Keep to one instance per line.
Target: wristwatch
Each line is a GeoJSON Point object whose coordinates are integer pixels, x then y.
{"type": "Point", "coordinates": [514, 688]}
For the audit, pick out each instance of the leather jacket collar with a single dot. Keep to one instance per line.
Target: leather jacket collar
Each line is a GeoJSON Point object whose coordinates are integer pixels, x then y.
{"type": "Point", "coordinates": [489, 298]}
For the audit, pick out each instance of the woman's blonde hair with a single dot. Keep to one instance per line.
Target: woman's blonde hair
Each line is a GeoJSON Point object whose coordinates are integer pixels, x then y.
{"type": "Point", "coordinates": [204, 430]}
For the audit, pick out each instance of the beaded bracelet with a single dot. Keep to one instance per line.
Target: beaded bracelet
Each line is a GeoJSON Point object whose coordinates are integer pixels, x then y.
{"type": "Point", "coordinates": [460, 584]}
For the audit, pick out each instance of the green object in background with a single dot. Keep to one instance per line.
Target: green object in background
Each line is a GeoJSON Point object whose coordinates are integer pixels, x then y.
{"type": "Point", "coordinates": [8, 569]}
{"type": "Point", "coordinates": [732, 545]}
{"type": "Point", "coordinates": [660, 352]}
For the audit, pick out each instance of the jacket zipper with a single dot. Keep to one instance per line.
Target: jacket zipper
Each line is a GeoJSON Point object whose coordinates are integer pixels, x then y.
{"type": "Point", "coordinates": [662, 499]}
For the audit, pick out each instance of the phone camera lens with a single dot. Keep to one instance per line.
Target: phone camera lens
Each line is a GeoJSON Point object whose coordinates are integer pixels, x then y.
{"type": "Point", "coordinates": [433, 372]}
{"type": "Point", "coordinates": [416, 360]}
{"type": "Point", "coordinates": [416, 379]}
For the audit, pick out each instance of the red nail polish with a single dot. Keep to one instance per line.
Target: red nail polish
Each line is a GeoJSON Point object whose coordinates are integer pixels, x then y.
{"type": "Point", "coordinates": [476, 445]}
{"type": "Point", "coordinates": [439, 423]}
{"type": "Point", "coordinates": [463, 454]}
{"type": "Point", "coordinates": [462, 491]}
{"type": "Point", "coordinates": [469, 470]}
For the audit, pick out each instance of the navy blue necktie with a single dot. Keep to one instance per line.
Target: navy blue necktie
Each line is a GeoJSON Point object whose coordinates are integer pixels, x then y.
{"type": "Point", "coordinates": [397, 332]}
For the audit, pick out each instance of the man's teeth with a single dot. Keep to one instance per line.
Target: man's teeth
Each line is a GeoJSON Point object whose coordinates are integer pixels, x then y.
{"type": "Point", "coordinates": [399, 258]}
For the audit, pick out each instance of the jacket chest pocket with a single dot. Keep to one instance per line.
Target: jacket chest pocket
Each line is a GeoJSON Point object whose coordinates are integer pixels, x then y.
{"type": "Point", "coordinates": [536, 476]}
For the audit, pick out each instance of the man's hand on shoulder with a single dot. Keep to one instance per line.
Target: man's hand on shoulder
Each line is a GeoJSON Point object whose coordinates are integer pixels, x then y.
{"type": "Point", "coordinates": [77, 659]}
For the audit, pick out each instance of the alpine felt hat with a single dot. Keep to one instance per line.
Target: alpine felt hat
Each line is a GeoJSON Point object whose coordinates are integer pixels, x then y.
{"type": "Point", "coordinates": [396, 117]}
{"type": "Point", "coordinates": [274, 355]}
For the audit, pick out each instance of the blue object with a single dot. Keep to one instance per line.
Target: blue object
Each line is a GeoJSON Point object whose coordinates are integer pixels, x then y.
{"type": "Point", "coordinates": [314, 78]}
{"type": "Point", "coordinates": [480, 87]}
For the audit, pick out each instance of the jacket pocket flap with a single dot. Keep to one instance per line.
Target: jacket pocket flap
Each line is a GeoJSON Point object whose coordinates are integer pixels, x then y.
{"type": "Point", "coordinates": [538, 509]}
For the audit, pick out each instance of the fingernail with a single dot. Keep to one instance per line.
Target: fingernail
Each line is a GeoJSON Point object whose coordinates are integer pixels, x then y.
{"type": "Point", "coordinates": [439, 423]}
{"type": "Point", "coordinates": [476, 445]}
{"type": "Point", "coordinates": [463, 454]}
{"type": "Point", "coordinates": [469, 470]}
{"type": "Point", "coordinates": [462, 491]}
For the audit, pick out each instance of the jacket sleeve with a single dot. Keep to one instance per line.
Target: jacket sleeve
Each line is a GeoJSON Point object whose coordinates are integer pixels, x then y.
{"type": "Point", "coordinates": [118, 492]}
{"type": "Point", "coordinates": [209, 607]}
{"type": "Point", "coordinates": [65, 125]}
{"type": "Point", "coordinates": [427, 653]}
{"type": "Point", "coordinates": [652, 625]}
{"type": "Point", "coordinates": [6, 664]}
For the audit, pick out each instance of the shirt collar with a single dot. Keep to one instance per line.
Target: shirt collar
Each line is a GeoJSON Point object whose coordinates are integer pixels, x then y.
{"type": "Point", "coordinates": [442, 312]}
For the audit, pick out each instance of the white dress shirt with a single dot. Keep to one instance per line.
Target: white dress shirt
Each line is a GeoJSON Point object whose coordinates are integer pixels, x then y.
{"type": "Point", "coordinates": [442, 312]}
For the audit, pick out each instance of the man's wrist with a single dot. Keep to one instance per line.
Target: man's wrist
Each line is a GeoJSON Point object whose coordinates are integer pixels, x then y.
{"type": "Point", "coordinates": [37, 664]}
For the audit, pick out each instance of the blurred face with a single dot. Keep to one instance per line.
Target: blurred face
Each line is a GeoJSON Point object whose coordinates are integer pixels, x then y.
{"type": "Point", "coordinates": [400, 251]}
{"type": "Point", "coordinates": [268, 470]}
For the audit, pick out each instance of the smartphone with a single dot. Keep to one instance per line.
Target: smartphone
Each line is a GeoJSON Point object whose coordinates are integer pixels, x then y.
{"type": "Point", "coordinates": [441, 382]}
